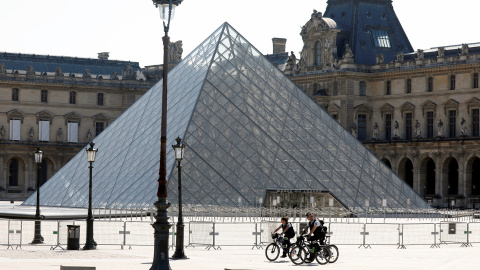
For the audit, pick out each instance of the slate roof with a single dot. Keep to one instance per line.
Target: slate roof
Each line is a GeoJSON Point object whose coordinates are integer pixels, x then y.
{"type": "Point", "coordinates": [48, 63]}
{"type": "Point", "coordinates": [356, 19]}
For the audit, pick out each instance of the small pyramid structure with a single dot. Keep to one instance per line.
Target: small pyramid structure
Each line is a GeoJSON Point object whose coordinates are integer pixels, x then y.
{"type": "Point", "coordinates": [246, 127]}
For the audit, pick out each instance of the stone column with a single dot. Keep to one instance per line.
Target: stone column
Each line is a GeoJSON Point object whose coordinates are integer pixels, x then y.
{"type": "Point", "coordinates": [438, 178]}
{"type": "Point", "coordinates": [3, 174]}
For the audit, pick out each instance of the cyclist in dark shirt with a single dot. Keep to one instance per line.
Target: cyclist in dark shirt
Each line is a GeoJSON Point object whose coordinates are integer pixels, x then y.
{"type": "Point", "coordinates": [316, 232]}
{"type": "Point", "coordinates": [288, 232]}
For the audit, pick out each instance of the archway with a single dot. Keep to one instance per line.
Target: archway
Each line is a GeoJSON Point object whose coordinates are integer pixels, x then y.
{"type": "Point", "coordinates": [16, 174]}
{"type": "Point", "coordinates": [387, 162]}
{"type": "Point", "coordinates": [46, 171]}
{"type": "Point", "coordinates": [452, 177]}
{"type": "Point", "coordinates": [427, 177]}
{"type": "Point", "coordinates": [476, 177]}
{"type": "Point", "coordinates": [405, 171]}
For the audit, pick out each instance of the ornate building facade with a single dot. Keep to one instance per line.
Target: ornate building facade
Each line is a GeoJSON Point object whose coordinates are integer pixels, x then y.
{"type": "Point", "coordinates": [59, 104]}
{"type": "Point", "coordinates": [416, 110]}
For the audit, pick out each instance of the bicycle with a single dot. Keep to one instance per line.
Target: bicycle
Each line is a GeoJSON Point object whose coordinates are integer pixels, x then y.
{"type": "Point", "coordinates": [333, 251]}
{"type": "Point", "coordinates": [273, 250]}
{"type": "Point", "coordinates": [299, 250]}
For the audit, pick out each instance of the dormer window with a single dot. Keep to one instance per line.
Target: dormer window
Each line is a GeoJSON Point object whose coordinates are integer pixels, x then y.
{"type": "Point", "coordinates": [381, 39]}
{"type": "Point", "coordinates": [318, 53]}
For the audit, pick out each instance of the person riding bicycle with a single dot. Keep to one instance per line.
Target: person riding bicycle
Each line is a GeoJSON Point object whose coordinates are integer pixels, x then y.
{"type": "Point", "coordinates": [288, 233]}
{"type": "Point", "coordinates": [316, 233]}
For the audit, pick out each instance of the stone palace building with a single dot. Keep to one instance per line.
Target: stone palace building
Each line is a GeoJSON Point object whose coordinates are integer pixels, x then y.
{"type": "Point", "coordinates": [416, 110]}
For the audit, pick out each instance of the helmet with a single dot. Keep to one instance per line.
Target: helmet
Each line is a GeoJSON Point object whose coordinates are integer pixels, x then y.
{"type": "Point", "coordinates": [308, 214]}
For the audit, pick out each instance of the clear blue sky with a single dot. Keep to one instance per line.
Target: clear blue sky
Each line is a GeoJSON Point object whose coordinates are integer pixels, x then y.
{"type": "Point", "coordinates": [131, 29]}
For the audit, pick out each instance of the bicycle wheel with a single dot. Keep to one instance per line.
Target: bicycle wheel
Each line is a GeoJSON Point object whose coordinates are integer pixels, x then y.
{"type": "Point", "coordinates": [297, 254]}
{"type": "Point", "coordinates": [323, 255]}
{"type": "Point", "coordinates": [334, 253]}
{"type": "Point", "coordinates": [272, 251]}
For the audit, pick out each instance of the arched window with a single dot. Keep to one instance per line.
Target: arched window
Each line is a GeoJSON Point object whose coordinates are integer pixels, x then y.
{"type": "Point", "coordinates": [452, 82]}
{"type": "Point", "coordinates": [100, 99]}
{"type": "Point", "coordinates": [409, 86]}
{"type": "Point", "coordinates": [13, 173]}
{"type": "Point", "coordinates": [363, 88]}
{"type": "Point", "coordinates": [430, 84]}
{"type": "Point", "coordinates": [318, 53]}
{"type": "Point", "coordinates": [389, 88]}
{"type": "Point", "coordinates": [15, 93]}
{"type": "Point", "coordinates": [73, 97]}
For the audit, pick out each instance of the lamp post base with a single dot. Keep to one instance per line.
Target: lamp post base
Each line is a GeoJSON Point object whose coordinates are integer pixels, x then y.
{"type": "Point", "coordinates": [162, 229]}
{"type": "Point", "coordinates": [37, 238]}
{"type": "Point", "coordinates": [179, 251]}
{"type": "Point", "coordinates": [90, 243]}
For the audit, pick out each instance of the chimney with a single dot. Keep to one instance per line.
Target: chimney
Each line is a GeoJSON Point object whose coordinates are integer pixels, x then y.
{"type": "Point", "coordinates": [279, 45]}
{"type": "Point", "coordinates": [103, 55]}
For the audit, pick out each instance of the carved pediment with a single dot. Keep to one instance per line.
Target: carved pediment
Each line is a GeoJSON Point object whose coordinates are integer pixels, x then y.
{"type": "Point", "coordinates": [387, 109]}
{"type": "Point", "coordinates": [363, 109]}
{"type": "Point", "coordinates": [450, 105]}
{"type": "Point", "coordinates": [15, 114]}
{"type": "Point", "coordinates": [72, 117]}
{"type": "Point", "coordinates": [333, 109]}
{"type": "Point", "coordinates": [44, 115]}
{"type": "Point", "coordinates": [429, 106]}
{"type": "Point", "coordinates": [407, 107]}
{"type": "Point", "coordinates": [100, 118]}
{"type": "Point", "coordinates": [473, 103]}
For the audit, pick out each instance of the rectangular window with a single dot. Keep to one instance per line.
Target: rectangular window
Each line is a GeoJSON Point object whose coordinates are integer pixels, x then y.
{"type": "Point", "coordinates": [362, 127]}
{"type": "Point", "coordinates": [452, 82]}
{"type": "Point", "coordinates": [475, 80]}
{"type": "Point", "coordinates": [430, 125]}
{"type": "Point", "coordinates": [430, 84]}
{"type": "Point", "coordinates": [408, 126]}
{"type": "Point", "coordinates": [72, 132]}
{"type": "Point", "coordinates": [73, 98]}
{"type": "Point", "coordinates": [409, 86]}
{"type": "Point", "coordinates": [363, 89]}
{"type": "Point", "coordinates": [44, 96]}
{"type": "Point", "coordinates": [381, 39]}
{"type": "Point", "coordinates": [476, 122]}
{"type": "Point", "coordinates": [100, 99]}
{"type": "Point", "coordinates": [44, 130]}
{"type": "Point", "coordinates": [389, 88]}
{"type": "Point", "coordinates": [388, 126]}
{"type": "Point", "coordinates": [452, 123]}
{"type": "Point", "coordinates": [99, 127]}
{"type": "Point", "coordinates": [15, 130]}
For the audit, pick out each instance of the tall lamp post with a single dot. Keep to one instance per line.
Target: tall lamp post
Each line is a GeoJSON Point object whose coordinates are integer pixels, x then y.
{"type": "Point", "coordinates": [38, 238]}
{"type": "Point", "coordinates": [90, 243]}
{"type": "Point", "coordinates": [161, 224]}
{"type": "Point", "coordinates": [179, 251]}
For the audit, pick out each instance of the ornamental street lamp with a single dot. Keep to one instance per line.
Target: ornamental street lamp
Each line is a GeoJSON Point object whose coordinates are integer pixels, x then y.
{"type": "Point", "coordinates": [90, 243]}
{"type": "Point", "coordinates": [161, 225]}
{"type": "Point", "coordinates": [179, 251]}
{"type": "Point", "coordinates": [38, 238]}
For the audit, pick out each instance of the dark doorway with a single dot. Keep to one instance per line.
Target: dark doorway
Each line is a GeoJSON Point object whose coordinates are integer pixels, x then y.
{"type": "Point", "coordinates": [453, 177]}
{"type": "Point", "coordinates": [430, 184]}
{"type": "Point", "coordinates": [476, 177]}
{"type": "Point", "coordinates": [387, 162]}
{"type": "Point", "coordinates": [43, 172]}
{"type": "Point", "coordinates": [409, 173]}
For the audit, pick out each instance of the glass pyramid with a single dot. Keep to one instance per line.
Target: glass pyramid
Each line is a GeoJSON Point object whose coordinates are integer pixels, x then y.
{"type": "Point", "coordinates": [247, 128]}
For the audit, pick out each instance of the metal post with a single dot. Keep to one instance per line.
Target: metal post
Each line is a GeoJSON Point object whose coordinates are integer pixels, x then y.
{"type": "Point", "coordinates": [38, 238]}
{"type": "Point", "coordinates": [90, 243]}
{"type": "Point", "coordinates": [179, 251]}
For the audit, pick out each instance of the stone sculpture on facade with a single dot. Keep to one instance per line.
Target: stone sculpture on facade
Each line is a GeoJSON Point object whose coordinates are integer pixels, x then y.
{"type": "Point", "coordinates": [2, 133]}
{"type": "Point", "coordinates": [400, 56]}
{"type": "Point", "coordinates": [129, 73]}
{"type": "Point", "coordinates": [89, 135]}
{"type": "Point", "coordinates": [375, 131]}
{"type": "Point", "coordinates": [348, 55]}
{"type": "Point", "coordinates": [2, 68]}
{"type": "Point", "coordinates": [31, 134]}
{"type": "Point", "coordinates": [58, 72]}
{"type": "Point", "coordinates": [30, 70]}
{"type": "Point", "coordinates": [418, 133]}
{"type": "Point", "coordinates": [59, 135]}
{"type": "Point", "coordinates": [86, 74]}
{"type": "Point", "coordinates": [420, 54]}
{"type": "Point", "coordinates": [463, 127]}
{"type": "Point", "coordinates": [396, 131]}
{"type": "Point", "coordinates": [464, 49]}
{"type": "Point", "coordinates": [440, 128]}
{"type": "Point", "coordinates": [441, 51]}
{"type": "Point", "coordinates": [291, 62]}
{"type": "Point", "coordinates": [380, 59]}
{"type": "Point", "coordinates": [175, 51]}
{"type": "Point", "coordinates": [114, 76]}
{"type": "Point", "coordinates": [354, 130]}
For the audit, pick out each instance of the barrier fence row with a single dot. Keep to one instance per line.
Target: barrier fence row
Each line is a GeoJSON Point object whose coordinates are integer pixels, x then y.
{"type": "Point", "coordinates": [209, 234]}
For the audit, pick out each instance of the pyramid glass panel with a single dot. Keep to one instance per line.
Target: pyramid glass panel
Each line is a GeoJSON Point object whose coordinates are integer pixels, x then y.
{"type": "Point", "coordinates": [247, 128]}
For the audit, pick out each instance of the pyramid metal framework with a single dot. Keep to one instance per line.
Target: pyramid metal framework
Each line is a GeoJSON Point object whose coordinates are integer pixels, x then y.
{"type": "Point", "coordinates": [247, 128]}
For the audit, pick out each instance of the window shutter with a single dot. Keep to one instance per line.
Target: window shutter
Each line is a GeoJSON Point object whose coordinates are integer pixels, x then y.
{"type": "Point", "coordinates": [14, 130]}
{"type": "Point", "coordinates": [72, 132]}
{"type": "Point", "coordinates": [44, 131]}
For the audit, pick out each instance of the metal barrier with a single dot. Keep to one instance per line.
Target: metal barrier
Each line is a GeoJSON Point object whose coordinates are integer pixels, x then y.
{"type": "Point", "coordinates": [15, 233]}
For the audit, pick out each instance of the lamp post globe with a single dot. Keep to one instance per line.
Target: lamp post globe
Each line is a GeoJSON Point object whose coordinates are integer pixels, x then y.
{"type": "Point", "coordinates": [38, 238]}
{"type": "Point", "coordinates": [161, 224]}
{"type": "Point", "coordinates": [90, 243]}
{"type": "Point", "coordinates": [179, 149]}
